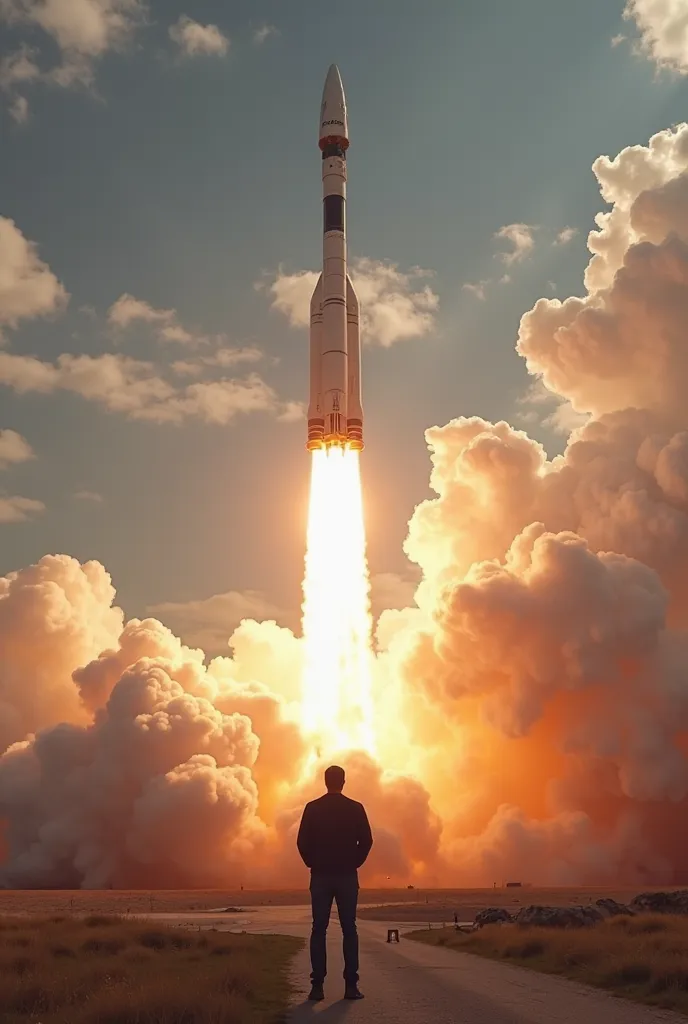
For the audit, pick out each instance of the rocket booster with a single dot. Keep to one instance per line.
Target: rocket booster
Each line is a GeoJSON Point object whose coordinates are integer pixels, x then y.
{"type": "Point", "coordinates": [335, 413]}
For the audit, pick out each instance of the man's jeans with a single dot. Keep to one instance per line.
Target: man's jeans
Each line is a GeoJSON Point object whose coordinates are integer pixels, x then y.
{"type": "Point", "coordinates": [344, 889]}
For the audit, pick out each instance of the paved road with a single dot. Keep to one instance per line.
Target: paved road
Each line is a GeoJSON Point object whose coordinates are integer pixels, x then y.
{"type": "Point", "coordinates": [416, 984]}
{"type": "Point", "coordinates": [411, 983]}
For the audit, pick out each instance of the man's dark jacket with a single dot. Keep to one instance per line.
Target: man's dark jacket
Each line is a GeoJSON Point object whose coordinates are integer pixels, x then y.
{"type": "Point", "coordinates": [334, 836]}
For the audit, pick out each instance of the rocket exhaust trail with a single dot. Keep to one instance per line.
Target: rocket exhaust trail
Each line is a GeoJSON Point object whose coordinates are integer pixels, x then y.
{"type": "Point", "coordinates": [336, 610]}
{"type": "Point", "coordinates": [337, 704]}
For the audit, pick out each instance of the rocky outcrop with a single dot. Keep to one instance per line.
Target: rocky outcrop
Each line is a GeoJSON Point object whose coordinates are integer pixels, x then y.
{"type": "Point", "coordinates": [559, 917]}
{"type": "Point", "coordinates": [661, 902]}
{"type": "Point", "coordinates": [492, 915]}
{"type": "Point", "coordinates": [610, 908]}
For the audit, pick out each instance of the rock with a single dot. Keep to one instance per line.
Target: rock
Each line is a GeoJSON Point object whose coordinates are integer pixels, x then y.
{"type": "Point", "coordinates": [610, 908]}
{"type": "Point", "coordinates": [492, 915]}
{"type": "Point", "coordinates": [661, 902]}
{"type": "Point", "coordinates": [559, 917]}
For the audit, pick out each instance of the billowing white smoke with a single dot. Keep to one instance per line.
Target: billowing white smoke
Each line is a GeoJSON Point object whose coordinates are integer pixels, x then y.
{"type": "Point", "coordinates": [54, 616]}
{"type": "Point", "coordinates": [130, 762]}
{"type": "Point", "coordinates": [554, 592]}
{"type": "Point", "coordinates": [531, 711]}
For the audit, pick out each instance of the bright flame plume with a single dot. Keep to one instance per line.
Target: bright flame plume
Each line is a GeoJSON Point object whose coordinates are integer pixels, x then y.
{"type": "Point", "coordinates": [337, 703]}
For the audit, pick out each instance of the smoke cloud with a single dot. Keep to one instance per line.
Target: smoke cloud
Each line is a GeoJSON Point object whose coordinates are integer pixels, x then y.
{"type": "Point", "coordinates": [530, 699]}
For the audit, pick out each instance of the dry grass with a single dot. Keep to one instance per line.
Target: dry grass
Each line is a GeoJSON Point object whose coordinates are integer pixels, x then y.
{"type": "Point", "coordinates": [105, 970]}
{"type": "Point", "coordinates": [142, 901]}
{"type": "Point", "coordinates": [643, 958]}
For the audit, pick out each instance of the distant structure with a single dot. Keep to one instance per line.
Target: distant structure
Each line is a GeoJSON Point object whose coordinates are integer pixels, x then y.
{"type": "Point", "coordinates": [514, 885]}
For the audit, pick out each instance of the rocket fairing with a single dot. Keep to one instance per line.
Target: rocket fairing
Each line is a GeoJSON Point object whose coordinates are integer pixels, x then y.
{"type": "Point", "coordinates": [335, 413]}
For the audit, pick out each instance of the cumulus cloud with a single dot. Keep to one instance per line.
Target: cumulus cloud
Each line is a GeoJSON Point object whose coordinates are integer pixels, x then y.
{"type": "Point", "coordinates": [395, 305]}
{"type": "Point", "coordinates": [195, 39]}
{"type": "Point", "coordinates": [264, 32]}
{"type": "Point", "coordinates": [14, 449]}
{"type": "Point", "coordinates": [290, 294]}
{"type": "Point", "coordinates": [389, 590]}
{"type": "Point", "coordinates": [565, 236]}
{"type": "Point", "coordinates": [520, 236]}
{"type": "Point", "coordinates": [539, 405]}
{"type": "Point", "coordinates": [28, 287]}
{"type": "Point", "coordinates": [128, 310]}
{"type": "Point", "coordinates": [82, 30]}
{"type": "Point", "coordinates": [135, 389]}
{"type": "Point", "coordinates": [663, 28]}
{"type": "Point", "coordinates": [478, 289]}
{"type": "Point", "coordinates": [222, 357]}
{"type": "Point", "coordinates": [18, 67]}
{"type": "Point", "coordinates": [618, 345]}
{"type": "Point", "coordinates": [233, 356]}
{"type": "Point", "coordinates": [209, 622]}
{"type": "Point", "coordinates": [15, 509]}
{"type": "Point", "coordinates": [564, 419]}
{"type": "Point", "coordinates": [19, 109]}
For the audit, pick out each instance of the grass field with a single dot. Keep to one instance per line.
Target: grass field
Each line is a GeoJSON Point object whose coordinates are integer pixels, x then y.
{"type": "Point", "coordinates": [103, 970]}
{"type": "Point", "coordinates": [642, 958]}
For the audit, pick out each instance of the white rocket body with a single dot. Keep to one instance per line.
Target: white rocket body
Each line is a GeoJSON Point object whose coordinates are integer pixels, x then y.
{"type": "Point", "coordinates": [335, 413]}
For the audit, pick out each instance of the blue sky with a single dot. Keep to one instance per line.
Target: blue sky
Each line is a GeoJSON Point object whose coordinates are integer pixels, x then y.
{"type": "Point", "coordinates": [191, 181]}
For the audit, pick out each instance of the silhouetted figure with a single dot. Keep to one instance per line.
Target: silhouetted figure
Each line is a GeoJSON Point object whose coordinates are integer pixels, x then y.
{"type": "Point", "coordinates": [334, 840]}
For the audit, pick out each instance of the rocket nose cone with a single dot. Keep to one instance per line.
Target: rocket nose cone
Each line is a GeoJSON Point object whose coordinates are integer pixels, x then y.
{"type": "Point", "coordinates": [333, 88]}
{"type": "Point", "coordinates": [333, 120]}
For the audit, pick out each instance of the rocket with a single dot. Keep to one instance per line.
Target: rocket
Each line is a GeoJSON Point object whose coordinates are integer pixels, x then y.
{"type": "Point", "coordinates": [335, 413]}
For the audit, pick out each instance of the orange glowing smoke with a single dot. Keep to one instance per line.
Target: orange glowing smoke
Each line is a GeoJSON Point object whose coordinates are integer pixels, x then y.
{"type": "Point", "coordinates": [337, 706]}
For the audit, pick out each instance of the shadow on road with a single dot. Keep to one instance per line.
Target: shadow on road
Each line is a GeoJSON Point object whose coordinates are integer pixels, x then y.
{"type": "Point", "coordinates": [307, 1011]}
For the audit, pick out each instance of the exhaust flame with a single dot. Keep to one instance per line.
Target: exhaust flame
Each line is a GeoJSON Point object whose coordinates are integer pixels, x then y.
{"type": "Point", "coordinates": [337, 704]}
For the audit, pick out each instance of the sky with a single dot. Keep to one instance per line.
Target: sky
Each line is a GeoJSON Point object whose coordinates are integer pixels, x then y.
{"type": "Point", "coordinates": [160, 194]}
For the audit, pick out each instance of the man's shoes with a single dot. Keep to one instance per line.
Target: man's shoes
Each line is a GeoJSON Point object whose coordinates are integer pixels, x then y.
{"type": "Point", "coordinates": [316, 994]}
{"type": "Point", "coordinates": [353, 992]}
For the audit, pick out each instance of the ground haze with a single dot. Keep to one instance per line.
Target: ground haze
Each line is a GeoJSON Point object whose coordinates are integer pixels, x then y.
{"type": "Point", "coordinates": [376, 904]}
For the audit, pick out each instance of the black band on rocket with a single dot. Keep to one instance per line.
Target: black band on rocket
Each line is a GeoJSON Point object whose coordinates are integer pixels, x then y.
{"type": "Point", "coordinates": [333, 213]}
{"type": "Point", "coordinates": [334, 149]}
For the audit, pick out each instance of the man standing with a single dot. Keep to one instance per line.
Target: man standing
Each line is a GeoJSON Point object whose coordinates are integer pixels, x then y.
{"type": "Point", "coordinates": [334, 840]}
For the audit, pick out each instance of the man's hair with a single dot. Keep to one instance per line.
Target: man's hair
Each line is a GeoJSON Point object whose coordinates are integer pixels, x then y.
{"type": "Point", "coordinates": [334, 778]}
